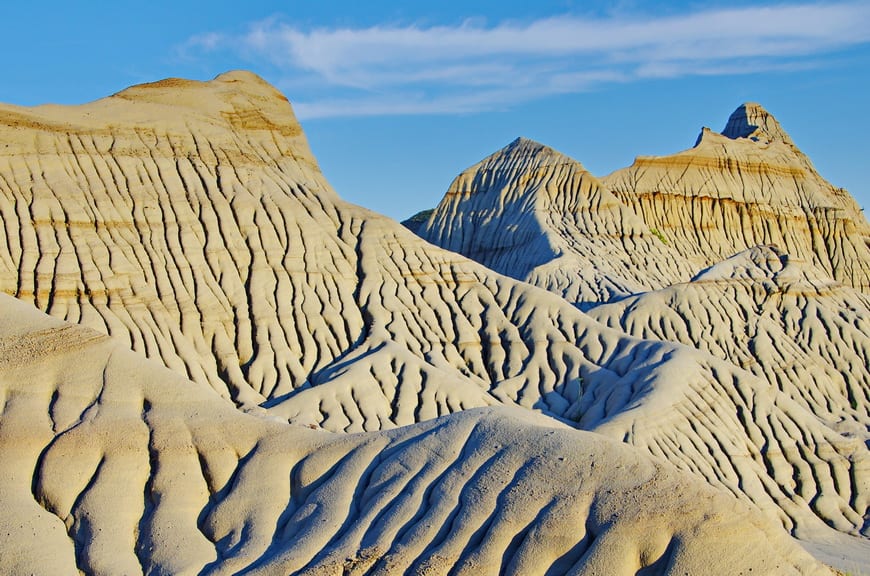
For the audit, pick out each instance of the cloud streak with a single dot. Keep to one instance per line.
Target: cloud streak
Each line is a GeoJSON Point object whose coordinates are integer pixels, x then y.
{"type": "Point", "coordinates": [391, 69]}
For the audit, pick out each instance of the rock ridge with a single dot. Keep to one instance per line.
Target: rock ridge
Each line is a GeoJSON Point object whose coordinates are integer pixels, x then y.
{"type": "Point", "coordinates": [748, 186]}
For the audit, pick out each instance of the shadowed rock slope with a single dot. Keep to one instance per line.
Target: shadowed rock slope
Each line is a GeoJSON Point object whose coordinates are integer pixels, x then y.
{"type": "Point", "coordinates": [745, 187]}
{"type": "Point", "coordinates": [189, 221]}
{"type": "Point", "coordinates": [112, 464]}
{"type": "Point", "coordinates": [537, 215]}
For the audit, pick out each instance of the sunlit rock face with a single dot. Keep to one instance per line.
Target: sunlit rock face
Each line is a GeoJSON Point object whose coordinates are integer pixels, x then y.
{"type": "Point", "coordinates": [778, 314]}
{"type": "Point", "coordinates": [748, 186]}
{"type": "Point", "coordinates": [189, 222]}
{"type": "Point", "coordinates": [537, 215]}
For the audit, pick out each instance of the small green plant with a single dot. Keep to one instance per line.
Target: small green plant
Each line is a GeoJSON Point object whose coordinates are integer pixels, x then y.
{"type": "Point", "coordinates": [422, 216]}
{"type": "Point", "coordinates": [657, 233]}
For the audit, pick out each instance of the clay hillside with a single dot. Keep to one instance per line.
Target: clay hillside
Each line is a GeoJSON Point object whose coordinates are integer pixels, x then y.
{"type": "Point", "coordinates": [749, 185]}
{"type": "Point", "coordinates": [213, 364]}
{"type": "Point", "coordinates": [112, 464]}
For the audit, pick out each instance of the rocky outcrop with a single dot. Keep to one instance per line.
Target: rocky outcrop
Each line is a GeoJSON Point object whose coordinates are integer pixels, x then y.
{"type": "Point", "coordinates": [190, 220]}
{"type": "Point", "coordinates": [745, 187]}
{"type": "Point", "coordinates": [534, 214]}
{"type": "Point", "coordinates": [111, 464]}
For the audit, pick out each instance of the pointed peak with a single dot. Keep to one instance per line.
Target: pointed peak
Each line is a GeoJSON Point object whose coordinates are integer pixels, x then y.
{"type": "Point", "coordinates": [752, 121]}
{"type": "Point", "coordinates": [532, 150]}
{"type": "Point", "coordinates": [705, 133]}
{"type": "Point", "coordinates": [523, 143]}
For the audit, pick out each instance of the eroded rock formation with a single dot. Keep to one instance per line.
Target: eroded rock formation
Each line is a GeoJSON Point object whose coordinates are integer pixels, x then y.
{"type": "Point", "coordinates": [745, 187]}
{"type": "Point", "coordinates": [189, 222]}
{"type": "Point", "coordinates": [782, 319]}
{"type": "Point", "coordinates": [537, 215]}
{"type": "Point", "coordinates": [111, 464]}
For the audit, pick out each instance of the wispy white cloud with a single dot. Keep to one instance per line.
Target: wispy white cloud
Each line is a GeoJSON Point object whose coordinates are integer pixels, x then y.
{"type": "Point", "coordinates": [391, 69]}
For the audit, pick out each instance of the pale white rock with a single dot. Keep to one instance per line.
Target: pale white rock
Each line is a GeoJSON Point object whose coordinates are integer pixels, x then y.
{"type": "Point", "coordinates": [780, 318]}
{"type": "Point", "coordinates": [112, 464]}
{"type": "Point", "coordinates": [803, 334]}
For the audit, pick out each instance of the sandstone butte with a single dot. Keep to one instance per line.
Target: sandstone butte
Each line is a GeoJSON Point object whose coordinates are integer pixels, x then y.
{"type": "Point", "coordinates": [212, 364]}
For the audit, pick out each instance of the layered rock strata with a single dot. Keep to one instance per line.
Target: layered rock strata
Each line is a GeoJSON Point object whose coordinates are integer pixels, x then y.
{"type": "Point", "coordinates": [539, 216]}
{"type": "Point", "coordinates": [748, 186]}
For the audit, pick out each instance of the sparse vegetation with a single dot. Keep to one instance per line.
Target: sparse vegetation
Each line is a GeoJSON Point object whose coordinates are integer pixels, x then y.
{"type": "Point", "coordinates": [657, 233]}
{"type": "Point", "coordinates": [422, 216]}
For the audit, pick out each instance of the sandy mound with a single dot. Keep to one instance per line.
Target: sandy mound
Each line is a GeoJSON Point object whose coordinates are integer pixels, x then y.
{"type": "Point", "coordinates": [112, 464]}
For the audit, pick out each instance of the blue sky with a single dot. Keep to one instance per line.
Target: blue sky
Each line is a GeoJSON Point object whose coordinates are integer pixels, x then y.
{"type": "Point", "coordinates": [398, 97]}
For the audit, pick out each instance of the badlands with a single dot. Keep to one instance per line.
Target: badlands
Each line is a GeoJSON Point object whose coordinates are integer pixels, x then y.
{"type": "Point", "coordinates": [211, 364]}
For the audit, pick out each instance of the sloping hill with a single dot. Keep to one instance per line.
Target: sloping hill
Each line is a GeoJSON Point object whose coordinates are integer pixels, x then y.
{"type": "Point", "coordinates": [189, 221]}
{"type": "Point", "coordinates": [536, 215]}
{"type": "Point", "coordinates": [112, 464]}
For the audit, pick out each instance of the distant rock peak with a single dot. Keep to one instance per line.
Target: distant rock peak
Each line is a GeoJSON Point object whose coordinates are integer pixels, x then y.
{"type": "Point", "coordinates": [524, 145]}
{"type": "Point", "coordinates": [525, 154]}
{"type": "Point", "coordinates": [751, 120]}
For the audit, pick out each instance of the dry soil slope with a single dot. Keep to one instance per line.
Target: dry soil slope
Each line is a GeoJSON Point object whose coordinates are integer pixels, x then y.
{"type": "Point", "coordinates": [537, 215]}
{"type": "Point", "coordinates": [781, 319]}
{"type": "Point", "coordinates": [745, 187]}
{"type": "Point", "coordinates": [189, 220]}
{"type": "Point", "coordinates": [112, 464]}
